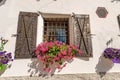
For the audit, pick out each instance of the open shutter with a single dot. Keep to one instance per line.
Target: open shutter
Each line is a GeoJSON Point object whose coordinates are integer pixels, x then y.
{"type": "Point", "coordinates": [82, 32]}
{"type": "Point", "coordinates": [39, 29]}
{"type": "Point", "coordinates": [26, 34]}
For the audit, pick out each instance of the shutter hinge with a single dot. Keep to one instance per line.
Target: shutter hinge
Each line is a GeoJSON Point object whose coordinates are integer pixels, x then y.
{"type": "Point", "coordinates": [14, 35]}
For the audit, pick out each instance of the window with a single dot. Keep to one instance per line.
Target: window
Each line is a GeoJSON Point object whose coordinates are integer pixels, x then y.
{"type": "Point", "coordinates": [56, 29]}
{"type": "Point", "coordinates": [63, 27]}
{"type": "Point", "coordinates": [69, 29]}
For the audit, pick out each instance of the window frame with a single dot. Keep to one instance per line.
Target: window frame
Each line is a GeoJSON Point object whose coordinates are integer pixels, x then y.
{"type": "Point", "coordinates": [53, 15]}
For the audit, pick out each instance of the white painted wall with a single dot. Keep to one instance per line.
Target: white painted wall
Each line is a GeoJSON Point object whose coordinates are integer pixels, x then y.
{"type": "Point", "coordinates": [103, 28]}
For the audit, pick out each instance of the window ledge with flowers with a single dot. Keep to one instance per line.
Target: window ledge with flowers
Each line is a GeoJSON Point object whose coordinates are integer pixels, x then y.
{"type": "Point", "coordinates": [55, 53]}
{"type": "Point", "coordinates": [113, 54]}
{"type": "Point", "coordinates": [5, 57]}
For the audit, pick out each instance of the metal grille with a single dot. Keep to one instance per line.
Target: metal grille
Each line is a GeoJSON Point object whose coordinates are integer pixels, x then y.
{"type": "Point", "coordinates": [56, 29]}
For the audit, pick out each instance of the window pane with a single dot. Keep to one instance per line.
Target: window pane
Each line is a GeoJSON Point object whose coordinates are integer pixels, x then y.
{"type": "Point", "coordinates": [56, 29]}
{"type": "Point", "coordinates": [61, 35]}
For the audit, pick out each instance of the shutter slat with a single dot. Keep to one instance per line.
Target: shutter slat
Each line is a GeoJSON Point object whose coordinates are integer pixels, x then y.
{"type": "Point", "coordinates": [82, 32]}
{"type": "Point", "coordinates": [27, 31]}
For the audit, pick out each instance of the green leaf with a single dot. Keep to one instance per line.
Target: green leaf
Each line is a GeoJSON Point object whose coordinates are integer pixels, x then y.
{"type": "Point", "coordinates": [3, 66]}
{"type": "Point", "coordinates": [74, 51]}
{"type": "Point", "coordinates": [47, 65]}
{"type": "Point", "coordinates": [60, 62]}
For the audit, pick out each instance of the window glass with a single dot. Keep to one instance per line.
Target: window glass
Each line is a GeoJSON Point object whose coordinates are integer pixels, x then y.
{"type": "Point", "coordinates": [56, 29]}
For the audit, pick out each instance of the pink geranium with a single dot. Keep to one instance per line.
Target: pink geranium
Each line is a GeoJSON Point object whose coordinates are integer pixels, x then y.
{"type": "Point", "coordinates": [38, 56]}
{"type": "Point", "coordinates": [44, 49]}
{"type": "Point", "coordinates": [44, 68]}
{"type": "Point", "coordinates": [64, 52]}
{"type": "Point", "coordinates": [37, 52]}
{"type": "Point", "coordinates": [49, 69]}
{"type": "Point", "coordinates": [56, 58]}
{"type": "Point", "coordinates": [58, 66]}
{"type": "Point", "coordinates": [59, 54]}
{"type": "Point", "coordinates": [55, 52]}
{"type": "Point", "coordinates": [66, 57]}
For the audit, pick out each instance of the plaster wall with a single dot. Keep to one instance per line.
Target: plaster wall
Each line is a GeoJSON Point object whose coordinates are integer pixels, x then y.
{"type": "Point", "coordinates": [103, 29]}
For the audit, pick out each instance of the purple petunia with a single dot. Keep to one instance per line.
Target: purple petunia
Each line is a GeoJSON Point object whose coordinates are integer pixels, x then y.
{"type": "Point", "coordinates": [4, 61]}
{"type": "Point", "coordinates": [113, 54]}
{"type": "Point", "coordinates": [5, 57]}
{"type": "Point", "coordinates": [116, 60]}
{"type": "Point", "coordinates": [2, 52]}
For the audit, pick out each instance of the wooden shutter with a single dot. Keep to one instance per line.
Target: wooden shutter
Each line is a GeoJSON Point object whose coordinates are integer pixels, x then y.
{"type": "Point", "coordinates": [26, 34]}
{"type": "Point", "coordinates": [82, 32]}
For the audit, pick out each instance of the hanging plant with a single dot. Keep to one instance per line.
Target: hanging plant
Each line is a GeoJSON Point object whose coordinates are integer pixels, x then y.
{"type": "Point", "coordinates": [112, 54]}
{"type": "Point", "coordinates": [55, 53]}
{"type": "Point", "coordinates": [5, 56]}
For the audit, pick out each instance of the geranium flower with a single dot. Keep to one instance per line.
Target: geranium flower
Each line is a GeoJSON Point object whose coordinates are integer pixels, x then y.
{"type": "Point", "coordinates": [64, 52]}
{"type": "Point", "coordinates": [44, 49]}
{"type": "Point", "coordinates": [56, 58]}
{"type": "Point", "coordinates": [59, 67]}
{"type": "Point", "coordinates": [44, 68]}
{"type": "Point", "coordinates": [49, 69]}
{"type": "Point", "coordinates": [66, 57]}
{"type": "Point", "coordinates": [59, 54]}
{"type": "Point", "coordinates": [55, 52]}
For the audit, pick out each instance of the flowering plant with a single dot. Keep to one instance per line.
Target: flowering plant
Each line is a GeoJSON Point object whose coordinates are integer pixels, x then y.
{"type": "Point", "coordinates": [55, 52]}
{"type": "Point", "coordinates": [113, 54]}
{"type": "Point", "coordinates": [5, 56]}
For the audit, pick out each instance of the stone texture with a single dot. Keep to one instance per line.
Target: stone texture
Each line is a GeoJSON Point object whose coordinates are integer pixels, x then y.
{"type": "Point", "coordinates": [89, 76]}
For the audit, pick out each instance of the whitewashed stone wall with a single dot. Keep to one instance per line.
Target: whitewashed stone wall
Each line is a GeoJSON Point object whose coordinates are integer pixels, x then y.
{"type": "Point", "coordinates": [103, 28]}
